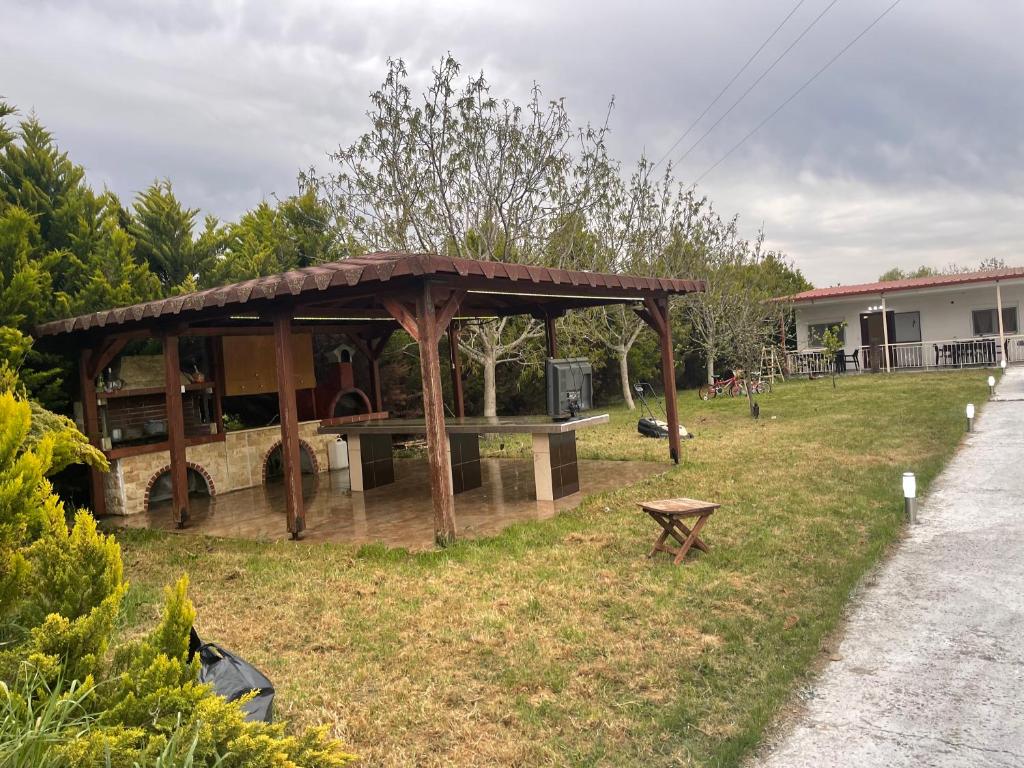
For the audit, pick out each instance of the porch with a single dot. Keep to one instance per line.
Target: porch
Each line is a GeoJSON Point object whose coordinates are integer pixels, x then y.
{"type": "Point", "coordinates": [937, 354]}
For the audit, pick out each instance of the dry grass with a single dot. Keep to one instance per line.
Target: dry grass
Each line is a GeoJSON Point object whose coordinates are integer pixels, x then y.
{"type": "Point", "coordinates": [557, 642]}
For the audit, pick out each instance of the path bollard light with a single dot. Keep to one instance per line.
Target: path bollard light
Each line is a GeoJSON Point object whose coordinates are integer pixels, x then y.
{"type": "Point", "coordinates": [970, 417]}
{"type": "Point", "coordinates": [910, 497]}
{"type": "Point", "coordinates": [991, 386]}
{"type": "Point", "coordinates": [1002, 363]}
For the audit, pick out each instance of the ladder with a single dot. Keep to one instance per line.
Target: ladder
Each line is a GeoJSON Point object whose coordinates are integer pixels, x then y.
{"type": "Point", "coordinates": [771, 365]}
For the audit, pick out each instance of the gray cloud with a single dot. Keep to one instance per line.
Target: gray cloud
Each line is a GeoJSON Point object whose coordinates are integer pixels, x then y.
{"type": "Point", "coordinates": [906, 151]}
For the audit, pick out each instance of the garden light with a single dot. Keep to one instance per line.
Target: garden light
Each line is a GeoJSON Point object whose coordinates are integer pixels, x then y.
{"type": "Point", "coordinates": [970, 417]}
{"type": "Point", "coordinates": [910, 496]}
{"type": "Point", "coordinates": [1002, 363]}
{"type": "Point", "coordinates": [991, 386]}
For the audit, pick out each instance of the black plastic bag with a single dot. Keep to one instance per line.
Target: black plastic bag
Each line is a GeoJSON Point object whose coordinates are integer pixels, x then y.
{"type": "Point", "coordinates": [232, 678]}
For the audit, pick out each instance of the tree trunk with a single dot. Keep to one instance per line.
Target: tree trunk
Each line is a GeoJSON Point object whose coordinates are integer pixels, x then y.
{"type": "Point", "coordinates": [627, 394]}
{"type": "Point", "coordinates": [750, 396]}
{"type": "Point", "coordinates": [490, 389]}
{"type": "Point", "coordinates": [711, 369]}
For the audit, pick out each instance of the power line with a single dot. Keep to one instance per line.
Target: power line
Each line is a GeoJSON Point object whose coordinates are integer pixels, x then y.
{"type": "Point", "coordinates": [799, 90]}
{"type": "Point", "coordinates": [728, 85]}
{"type": "Point", "coordinates": [762, 76]}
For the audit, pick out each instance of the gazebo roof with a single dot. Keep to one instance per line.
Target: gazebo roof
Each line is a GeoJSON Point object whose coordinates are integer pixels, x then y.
{"type": "Point", "coordinates": [355, 286]}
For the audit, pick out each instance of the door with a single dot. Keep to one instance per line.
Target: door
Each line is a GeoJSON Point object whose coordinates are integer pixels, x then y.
{"type": "Point", "coordinates": [871, 333]}
{"type": "Point", "coordinates": [872, 336]}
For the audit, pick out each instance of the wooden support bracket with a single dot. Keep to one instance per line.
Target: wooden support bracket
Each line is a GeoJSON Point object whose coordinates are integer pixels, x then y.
{"type": "Point", "coordinates": [106, 355]}
{"type": "Point", "coordinates": [404, 314]}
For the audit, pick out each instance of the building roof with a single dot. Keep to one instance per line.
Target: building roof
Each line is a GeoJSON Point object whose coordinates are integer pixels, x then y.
{"type": "Point", "coordinates": [910, 284]}
{"type": "Point", "coordinates": [355, 286]}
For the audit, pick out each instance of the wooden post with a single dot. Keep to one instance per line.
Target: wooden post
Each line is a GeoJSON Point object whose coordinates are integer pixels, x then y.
{"type": "Point", "coordinates": [668, 374]}
{"type": "Point", "coordinates": [289, 424]}
{"type": "Point", "coordinates": [550, 336]}
{"type": "Point", "coordinates": [373, 349]}
{"type": "Point", "coordinates": [999, 313]}
{"type": "Point", "coordinates": [175, 431]}
{"type": "Point", "coordinates": [91, 422]}
{"type": "Point", "coordinates": [885, 336]}
{"type": "Point", "coordinates": [656, 314]}
{"type": "Point", "coordinates": [782, 343]}
{"type": "Point", "coordinates": [217, 354]}
{"type": "Point", "coordinates": [378, 397]}
{"type": "Point", "coordinates": [456, 369]}
{"type": "Point", "coordinates": [438, 455]}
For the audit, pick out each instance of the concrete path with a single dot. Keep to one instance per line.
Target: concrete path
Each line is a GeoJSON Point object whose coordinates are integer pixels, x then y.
{"type": "Point", "coordinates": [931, 665]}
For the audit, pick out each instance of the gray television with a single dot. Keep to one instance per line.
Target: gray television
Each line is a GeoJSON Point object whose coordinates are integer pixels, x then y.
{"type": "Point", "coordinates": [570, 386]}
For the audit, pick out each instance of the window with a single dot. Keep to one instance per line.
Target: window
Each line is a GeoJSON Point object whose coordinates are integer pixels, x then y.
{"type": "Point", "coordinates": [985, 323]}
{"type": "Point", "coordinates": [907, 327]}
{"type": "Point", "coordinates": [815, 332]}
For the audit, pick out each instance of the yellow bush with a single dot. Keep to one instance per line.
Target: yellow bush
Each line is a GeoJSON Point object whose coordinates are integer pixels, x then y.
{"type": "Point", "coordinates": [60, 593]}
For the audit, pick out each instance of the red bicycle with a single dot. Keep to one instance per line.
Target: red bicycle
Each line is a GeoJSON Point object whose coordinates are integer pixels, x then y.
{"type": "Point", "coordinates": [731, 386]}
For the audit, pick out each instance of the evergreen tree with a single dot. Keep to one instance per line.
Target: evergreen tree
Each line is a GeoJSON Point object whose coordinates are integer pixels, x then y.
{"type": "Point", "coordinates": [261, 243]}
{"type": "Point", "coordinates": [267, 240]}
{"type": "Point", "coordinates": [166, 239]}
{"type": "Point", "coordinates": [316, 236]}
{"type": "Point", "coordinates": [63, 249]}
{"type": "Point", "coordinates": [61, 589]}
{"type": "Point", "coordinates": [25, 299]}
{"type": "Point", "coordinates": [37, 177]}
{"type": "Point", "coordinates": [113, 277]}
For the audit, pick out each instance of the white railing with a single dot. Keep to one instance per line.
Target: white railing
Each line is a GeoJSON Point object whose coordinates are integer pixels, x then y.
{"type": "Point", "coordinates": [1015, 348]}
{"type": "Point", "coordinates": [918, 355]}
{"type": "Point", "coordinates": [808, 362]}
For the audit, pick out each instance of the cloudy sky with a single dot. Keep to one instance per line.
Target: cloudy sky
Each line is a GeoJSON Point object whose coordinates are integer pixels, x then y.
{"type": "Point", "coordinates": [907, 151]}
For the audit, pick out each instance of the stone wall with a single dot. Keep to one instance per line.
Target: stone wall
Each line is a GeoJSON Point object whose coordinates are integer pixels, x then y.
{"type": "Point", "coordinates": [239, 461]}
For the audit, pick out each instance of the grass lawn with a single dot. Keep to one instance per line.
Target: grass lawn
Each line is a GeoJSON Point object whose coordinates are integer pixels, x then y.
{"type": "Point", "coordinates": [558, 642]}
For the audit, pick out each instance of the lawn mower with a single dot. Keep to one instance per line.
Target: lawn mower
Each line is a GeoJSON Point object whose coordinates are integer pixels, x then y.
{"type": "Point", "coordinates": [649, 425]}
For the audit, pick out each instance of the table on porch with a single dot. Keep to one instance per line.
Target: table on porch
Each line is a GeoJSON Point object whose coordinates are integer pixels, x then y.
{"type": "Point", "coordinates": [969, 352]}
{"type": "Point", "coordinates": [555, 469]}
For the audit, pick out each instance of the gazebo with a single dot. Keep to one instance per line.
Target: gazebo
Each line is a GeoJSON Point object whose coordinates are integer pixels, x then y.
{"type": "Point", "coordinates": [366, 299]}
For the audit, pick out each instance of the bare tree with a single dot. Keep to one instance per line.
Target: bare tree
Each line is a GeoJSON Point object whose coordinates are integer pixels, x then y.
{"type": "Point", "coordinates": [464, 173]}
{"type": "Point", "coordinates": [632, 225]}
{"type": "Point", "coordinates": [749, 324]}
{"type": "Point", "coordinates": [704, 247]}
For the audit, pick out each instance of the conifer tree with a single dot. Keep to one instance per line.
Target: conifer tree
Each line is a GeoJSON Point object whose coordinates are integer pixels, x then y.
{"type": "Point", "coordinates": [166, 239]}
{"type": "Point", "coordinates": [298, 232]}
{"type": "Point", "coordinates": [37, 177]}
{"type": "Point", "coordinates": [112, 276]}
{"type": "Point", "coordinates": [63, 250]}
{"type": "Point", "coordinates": [61, 589]}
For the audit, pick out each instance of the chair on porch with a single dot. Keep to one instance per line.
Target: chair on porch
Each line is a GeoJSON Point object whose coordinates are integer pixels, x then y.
{"type": "Point", "coordinates": [853, 357]}
{"type": "Point", "coordinates": [946, 353]}
{"type": "Point", "coordinates": [987, 352]}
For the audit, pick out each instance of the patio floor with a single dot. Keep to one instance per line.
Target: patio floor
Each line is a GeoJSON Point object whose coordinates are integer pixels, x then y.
{"type": "Point", "coordinates": [397, 515]}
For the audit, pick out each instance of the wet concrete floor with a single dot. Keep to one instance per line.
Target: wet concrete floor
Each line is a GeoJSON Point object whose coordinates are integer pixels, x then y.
{"type": "Point", "coordinates": [396, 515]}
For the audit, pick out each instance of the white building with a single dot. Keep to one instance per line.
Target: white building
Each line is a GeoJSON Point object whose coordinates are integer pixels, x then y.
{"type": "Point", "coordinates": [970, 319]}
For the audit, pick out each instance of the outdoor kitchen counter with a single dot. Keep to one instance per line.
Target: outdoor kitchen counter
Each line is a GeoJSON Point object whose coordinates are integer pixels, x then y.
{"type": "Point", "coordinates": [556, 473]}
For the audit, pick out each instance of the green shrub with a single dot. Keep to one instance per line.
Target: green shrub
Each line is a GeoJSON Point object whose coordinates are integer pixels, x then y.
{"type": "Point", "coordinates": [67, 697]}
{"type": "Point", "coordinates": [37, 718]}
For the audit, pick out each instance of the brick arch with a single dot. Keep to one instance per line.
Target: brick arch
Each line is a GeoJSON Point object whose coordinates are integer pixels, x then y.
{"type": "Point", "coordinates": [313, 460]}
{"type": "Point", "coordinates": [198, 468]}
{"type": "Point", "coordinates": [350, 391]}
